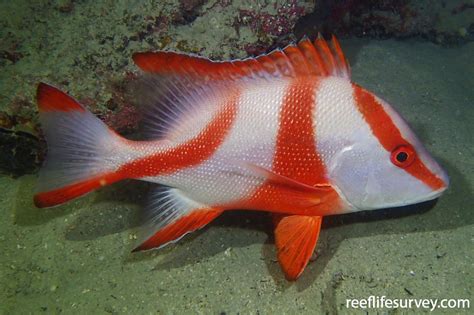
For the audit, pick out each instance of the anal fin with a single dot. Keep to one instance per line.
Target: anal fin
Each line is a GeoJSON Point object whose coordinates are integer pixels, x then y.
{"type": "Point", "coordinates": [295, 238]}
{"type": "Point", "coordinates": [170, 215]}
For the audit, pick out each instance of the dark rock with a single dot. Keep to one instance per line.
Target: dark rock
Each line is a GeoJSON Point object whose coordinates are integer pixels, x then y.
{"type": "Point", "coordinates": [387, 19]}
{"type": "Point", "coordinates": [20, 152]}
{"type": "Point", "coordinates": [189, 10]}
{"type": "Point", "coordinates": [12, 56]}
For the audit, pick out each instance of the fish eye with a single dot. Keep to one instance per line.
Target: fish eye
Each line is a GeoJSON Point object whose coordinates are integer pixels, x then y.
{"type": "Point", "coordinates": [403, 156]}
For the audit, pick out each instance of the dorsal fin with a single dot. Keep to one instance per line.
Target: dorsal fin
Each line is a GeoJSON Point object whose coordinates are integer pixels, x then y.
{"type": "Point", "coordinates": [320, 58]}
{"type": "Point", "coordinates": [178, 107]}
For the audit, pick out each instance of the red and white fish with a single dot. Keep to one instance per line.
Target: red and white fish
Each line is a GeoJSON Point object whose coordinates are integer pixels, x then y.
{"type": "Point", "coordinates": [286, 132]}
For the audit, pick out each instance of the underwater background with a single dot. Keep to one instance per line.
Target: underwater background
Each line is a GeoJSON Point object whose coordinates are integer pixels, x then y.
{"type": "Point", "coordinates": [418, 55]}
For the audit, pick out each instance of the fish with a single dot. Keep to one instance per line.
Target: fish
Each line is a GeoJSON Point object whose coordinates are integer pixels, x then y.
{"type": "Point", "coordinates": [285, 132]}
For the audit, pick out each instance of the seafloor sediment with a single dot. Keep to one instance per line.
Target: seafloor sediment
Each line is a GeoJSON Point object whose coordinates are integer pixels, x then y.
{"type": "Point", "coordinates": [76, 258]}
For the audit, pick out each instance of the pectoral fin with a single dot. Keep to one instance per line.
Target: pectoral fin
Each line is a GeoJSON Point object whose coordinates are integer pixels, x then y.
{"type": "Point", "coordinates": [295, 238]}
{"type": "Point", "coordinates": [303, 195]}
{"type": "Point", "coordinates": [284, 180]}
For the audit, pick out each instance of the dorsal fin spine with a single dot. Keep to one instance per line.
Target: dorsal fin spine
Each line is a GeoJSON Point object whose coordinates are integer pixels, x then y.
{"type": "Point", "coordinates": [298, 60]}
{"type": "Point", "coordinates": [344, 65]}
{"type": "Point", "coordinates": [320, 62]}
{"type": "Point", "coordinates": [320, 58]}
{"type": "Point", "coordinates": [324, 51]}
{"type": "Point", "coordinates": [311, 55]}
{"type": "Point", "coordinates": [283, 63]}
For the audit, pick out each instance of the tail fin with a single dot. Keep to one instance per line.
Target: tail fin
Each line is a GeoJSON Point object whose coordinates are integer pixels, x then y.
{"type": "Point", "coordinates": [81, 149]}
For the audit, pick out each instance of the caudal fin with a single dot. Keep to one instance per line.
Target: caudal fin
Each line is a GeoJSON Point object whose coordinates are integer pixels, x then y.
{"type": "Point", "coordinates": [81, 149]}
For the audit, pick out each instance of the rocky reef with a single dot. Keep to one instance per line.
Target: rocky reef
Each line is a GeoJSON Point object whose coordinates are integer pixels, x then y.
{"type": "Point", "coordinates": [85, 48]}
{"type": "Point", "coordinates": [443, 22]}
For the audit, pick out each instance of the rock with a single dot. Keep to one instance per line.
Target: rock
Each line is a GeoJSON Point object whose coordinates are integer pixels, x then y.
{"type": "Point", "coordinates": [442, 22]}
{"type": "Point", "coordinates": [20, 153]}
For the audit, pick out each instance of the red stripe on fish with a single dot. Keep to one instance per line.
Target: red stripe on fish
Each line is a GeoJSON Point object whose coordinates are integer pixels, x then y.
{"type": "Point", "coordinates": [296, 139]}
{"type": "Point", "coordinates": [190, 153]}
{"type": "Point", "coordinates": [389, 135]}
{"type": "Point", "coordinates": [296, 157]}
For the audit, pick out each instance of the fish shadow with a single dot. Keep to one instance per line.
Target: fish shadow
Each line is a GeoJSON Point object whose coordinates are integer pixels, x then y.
{"type": "Point", "coordinates": [24, 211]}
{"type": "Point", "coordinates": [231, 230]}
{"type": "Point", "coordinates": [114, 209]}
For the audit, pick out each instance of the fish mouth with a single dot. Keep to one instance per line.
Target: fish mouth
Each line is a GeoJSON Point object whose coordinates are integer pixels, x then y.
{"type": "Point", "coordinates": [353, 207]}
{"type": "Point", "coordinates": [443, 175]}
{"type": "Point", "coordinates": [435, 194]}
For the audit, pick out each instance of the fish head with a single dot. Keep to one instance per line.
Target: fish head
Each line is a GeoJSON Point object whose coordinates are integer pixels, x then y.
{"type": "Point", "coordinates": [384, 164]}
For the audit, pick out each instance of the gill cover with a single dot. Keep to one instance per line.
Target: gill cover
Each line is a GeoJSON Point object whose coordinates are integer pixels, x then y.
{"type": "Point", "coordinates": [384, 164]}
